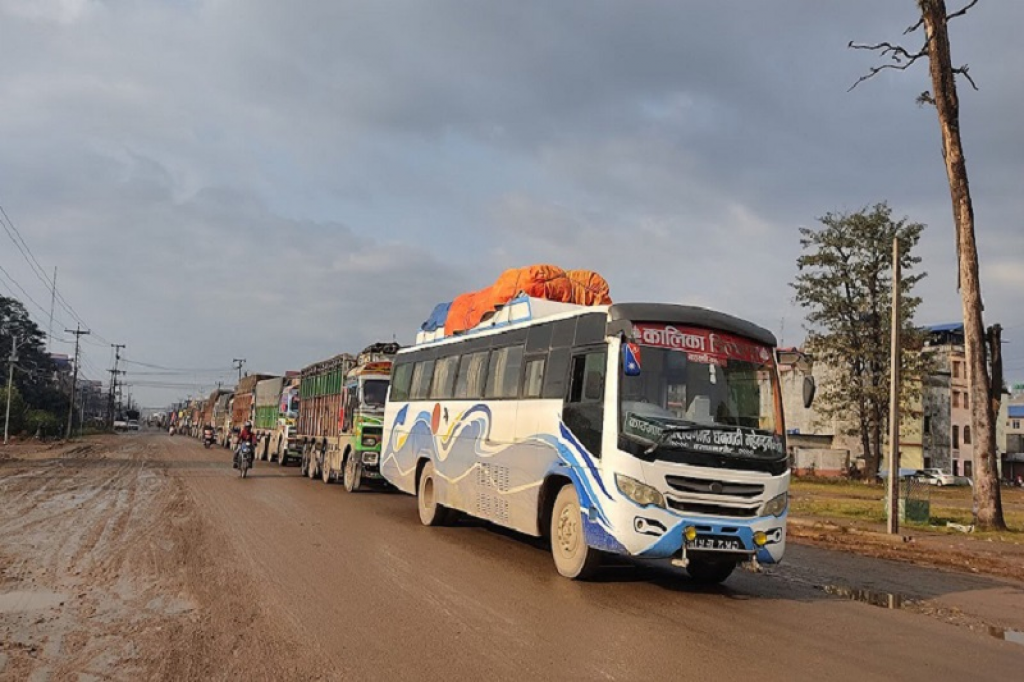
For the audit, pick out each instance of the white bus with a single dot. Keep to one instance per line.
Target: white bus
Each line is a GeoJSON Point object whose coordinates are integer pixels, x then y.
{"type": "Point", "coordinates": [639, 429]}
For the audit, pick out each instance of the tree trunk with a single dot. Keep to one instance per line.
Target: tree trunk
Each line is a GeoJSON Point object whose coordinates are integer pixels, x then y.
{"type": "Point", "coordinates": [986, 484]}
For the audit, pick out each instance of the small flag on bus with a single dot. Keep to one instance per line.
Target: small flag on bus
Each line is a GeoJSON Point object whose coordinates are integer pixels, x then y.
{"type": "Point", "coordinates": [631, 359]}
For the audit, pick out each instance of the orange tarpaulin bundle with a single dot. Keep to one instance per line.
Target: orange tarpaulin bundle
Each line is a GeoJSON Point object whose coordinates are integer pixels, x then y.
{"type": "Point", "coordinates": [583, 287]}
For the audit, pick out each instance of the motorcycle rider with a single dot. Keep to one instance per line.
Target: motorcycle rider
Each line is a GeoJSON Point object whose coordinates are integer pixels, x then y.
{"type": "Point", "coordinates": [246, 436]}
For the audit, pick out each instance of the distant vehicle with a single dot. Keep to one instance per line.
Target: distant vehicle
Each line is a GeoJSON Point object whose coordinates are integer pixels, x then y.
{"type": "Point", "coordinates": [120, 425]}
{"type": "Point", "coordinates": [132, 425]}
{"type": "Point", "coordinates": [936, 477]}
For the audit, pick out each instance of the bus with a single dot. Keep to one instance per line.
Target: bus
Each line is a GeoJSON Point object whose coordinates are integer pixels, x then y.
{"type": "Point", "coordinates": [638, 429]}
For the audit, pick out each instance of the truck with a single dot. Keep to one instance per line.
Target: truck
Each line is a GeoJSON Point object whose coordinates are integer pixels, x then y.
{"type": "Point", "coordinates": [283, 441]}
{"type": "Point", "coordinates": [356, 456]}
{"type": "Point", "coordinates": [276, 408]}
{"type": "Point", "coordinates": [320, 387]}
{"type": "Point", "coordinates": [266, 402]}
{"type": "Point", "coordinates": [220, 416]}
{"type": "Point", "coordinates": [242, 406]}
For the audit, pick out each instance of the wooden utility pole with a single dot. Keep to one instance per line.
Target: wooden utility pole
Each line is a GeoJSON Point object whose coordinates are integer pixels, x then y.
{"type": "Point", "coordinates": [240, 362]}
{"type": "Point", "coordinates": [894, 395]}
{"type": "Point", "coordinates": [10, 387]}
{"type": "Point", "coordinates": [79, 333]}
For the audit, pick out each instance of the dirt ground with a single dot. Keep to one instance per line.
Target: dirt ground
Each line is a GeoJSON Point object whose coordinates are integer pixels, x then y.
{"type": "Point", "coordinates": [144, 557]}
{"type": "Point", "coordinates": [121, 537]}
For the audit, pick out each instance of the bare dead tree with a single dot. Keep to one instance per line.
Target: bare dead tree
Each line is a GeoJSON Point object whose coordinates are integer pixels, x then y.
{"type": "Point", "coordinates": [943, 96]}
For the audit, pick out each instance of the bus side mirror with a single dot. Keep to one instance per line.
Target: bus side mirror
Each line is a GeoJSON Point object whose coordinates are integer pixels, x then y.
{"type": "Point", "coordinates": [810, 388]}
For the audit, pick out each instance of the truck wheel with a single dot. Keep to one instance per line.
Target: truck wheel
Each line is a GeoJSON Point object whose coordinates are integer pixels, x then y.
{"type": "Point", "coordinates": [282, 456]}
{"type": "Point", "coordinates": [573, 557]}
{"type": "Point", "coordinates": [304, 462]}
{"type": "Point", "coordinates": [353, 473]}
{"type": "Point", "coordinates": [325, 470]}
{"type": "Point", "coordinates": [431, 512]}
{"type": "Point", "coordinates": [710, 572]}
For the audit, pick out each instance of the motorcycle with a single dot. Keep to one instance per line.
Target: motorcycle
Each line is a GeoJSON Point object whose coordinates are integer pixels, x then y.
{"type": "Point", "coordinates": [208, 438]}
{"type": "Point", "coordinates": [244, 457]}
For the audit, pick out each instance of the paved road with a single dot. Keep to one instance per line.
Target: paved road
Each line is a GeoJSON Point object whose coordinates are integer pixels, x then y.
{"type": "Point", "coordinates": [280, 577]}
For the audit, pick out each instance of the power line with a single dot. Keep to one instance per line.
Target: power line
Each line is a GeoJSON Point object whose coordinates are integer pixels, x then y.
{"type": "Point", "coordinates": [19, 241]}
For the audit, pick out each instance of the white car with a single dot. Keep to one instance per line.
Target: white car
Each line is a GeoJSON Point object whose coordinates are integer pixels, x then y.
{"type": "Point", "coordinates": [936, 477]}
{"type": "Point", "coordinates": [133, 425]}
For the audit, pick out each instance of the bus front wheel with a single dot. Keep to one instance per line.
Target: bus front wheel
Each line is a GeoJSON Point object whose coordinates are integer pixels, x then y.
{"type": "Point", "coordinates": [573, 557]}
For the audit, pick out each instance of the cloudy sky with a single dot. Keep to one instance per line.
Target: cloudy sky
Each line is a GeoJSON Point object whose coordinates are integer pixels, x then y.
{"type": "Point", "coordinates": [284, 181]}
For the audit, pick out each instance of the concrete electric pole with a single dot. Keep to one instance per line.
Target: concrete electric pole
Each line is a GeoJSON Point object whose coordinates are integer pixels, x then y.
{"type": "Point", "coordinates": [894, 396]}
{"type": "Point", "coordinates": [77, 331]}
{"type": "Point", "coordinates": [111, 416]}
{"type": "Point", "coordinates": [239, 362]}
{"type": "Point", "coordinates": [10, 387]}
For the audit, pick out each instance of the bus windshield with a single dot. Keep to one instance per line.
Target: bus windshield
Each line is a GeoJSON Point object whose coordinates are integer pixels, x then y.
{"type": "Point", "coordinates": [374, 392]}
{"type": "Point", "coordinates": [699, 395]}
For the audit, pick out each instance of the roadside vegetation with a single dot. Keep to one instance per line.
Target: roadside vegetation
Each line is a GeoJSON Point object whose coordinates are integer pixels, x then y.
{"type": "Point", "coordinates": [843, 502]}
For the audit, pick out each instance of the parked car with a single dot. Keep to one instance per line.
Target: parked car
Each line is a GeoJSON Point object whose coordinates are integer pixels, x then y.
{"type": "Point", "coordinates": [936, 477]}
{"type": "Point", "coordinates": [120, 425]}
{"type": "Point", "coordinates": [133, 425]}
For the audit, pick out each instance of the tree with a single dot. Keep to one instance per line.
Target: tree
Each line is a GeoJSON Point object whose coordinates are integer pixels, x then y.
{"type": "Point", "coordinates": [33, 375]}
{"type": "Point", "coordinates": [844, 280]}
{"type": "Point", "coordinates": [934, 20]}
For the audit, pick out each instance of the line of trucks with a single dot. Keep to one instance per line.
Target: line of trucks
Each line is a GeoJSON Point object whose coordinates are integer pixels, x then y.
{"type": "Point", "coordinates": [328, 417]}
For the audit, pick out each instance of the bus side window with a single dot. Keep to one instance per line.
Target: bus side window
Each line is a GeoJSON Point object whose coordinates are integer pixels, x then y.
{"type": "Point", "coordinates": [401, 382]}
{"type": "Point", "coordinates": [583, 412]}
{"type": "Point", "coordinates": [422, 374]}
{"type": "Point", "coordinates": [555, 374]}
{"type": "Point", "coordinates": [533, 377]}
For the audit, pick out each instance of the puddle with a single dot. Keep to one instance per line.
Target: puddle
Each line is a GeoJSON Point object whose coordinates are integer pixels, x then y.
{"type": "Point", "coordinates": [1015, 636]}
{"type": "Point", "coordinates": [889, 600]}
{"type": "Point", "coordinates": [885, 600]}
{"type": "Point", "coordinates": [25, 600]}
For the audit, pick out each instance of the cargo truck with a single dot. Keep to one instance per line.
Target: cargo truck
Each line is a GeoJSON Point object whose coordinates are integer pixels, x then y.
{"type": "Point", "coordinates": [320, 390]}
{"type": "Point", "coordinates": [283, 443]}
{"type": "Point", "coordinates": [355, 458]}
{"type": "Point", "coordinates": [242, 407]}
{"type": "Point", "coordinates": [266, 399]}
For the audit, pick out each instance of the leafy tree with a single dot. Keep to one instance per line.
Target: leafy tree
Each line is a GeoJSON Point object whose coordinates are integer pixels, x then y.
{"type": "Point", "coordinates": [33, 374]}
{"type": "Point", "coordinates": [43, 423]}
{"type": "Point", "coordinates": [844, 280]}
{"type": "Point", "coordinates": [17, 409]}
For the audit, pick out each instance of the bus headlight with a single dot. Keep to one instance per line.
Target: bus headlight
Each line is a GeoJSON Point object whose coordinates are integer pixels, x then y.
{"type": "Point", "coordinates": [370, 458]}
{"type": "Point", "coordinates": [370, 441]}
{"type": "Point", "coordinates": [777, 505]}
{"type": "Point", "coordinates": [641, 493]}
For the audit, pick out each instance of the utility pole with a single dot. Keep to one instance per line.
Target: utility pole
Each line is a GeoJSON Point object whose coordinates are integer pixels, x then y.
{"type": "Point", "coordinates": [894, 395]}
{"type": "Point", "coordinates": [53, 301]}
{"type": "Point", "coordinates": [239, 362]}
{"type": "Point", "coordinates": [77, 331]}
{"type": "Point", "coordinates": [113, 383]}
{"type": "Point", "coordinates": [10, 386]}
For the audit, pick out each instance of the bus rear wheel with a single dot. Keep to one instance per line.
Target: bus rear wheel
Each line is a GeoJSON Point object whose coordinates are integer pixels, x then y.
{"type": "Point", "coordinates": [573, 557]}
{"type": "Point", "coordinates": [432, 513]}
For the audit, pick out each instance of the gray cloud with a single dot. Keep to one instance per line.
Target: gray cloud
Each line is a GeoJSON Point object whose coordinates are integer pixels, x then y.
{"type": "Point", "coordinates": [364, 159]}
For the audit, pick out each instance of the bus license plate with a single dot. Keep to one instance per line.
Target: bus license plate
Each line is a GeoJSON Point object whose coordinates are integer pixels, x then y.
{"type": "Point", "coordinates": [719, 543]}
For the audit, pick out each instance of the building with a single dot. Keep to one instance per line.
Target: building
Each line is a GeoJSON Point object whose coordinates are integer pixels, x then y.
{"type": "Point", "coordinates": [1013, 456]}
{"type": "Point", "coordinates": [935, 430]}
